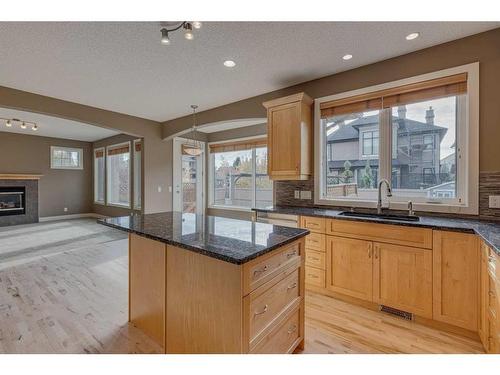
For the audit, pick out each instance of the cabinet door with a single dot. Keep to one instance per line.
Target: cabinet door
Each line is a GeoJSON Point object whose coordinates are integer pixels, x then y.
{"type": "Point", "coordinates": [284, 140]}
{"type": "Point", "coordinates": [456, 279]}
{"type": "Point", "coordinates": [402, 278]}
{"type": "Point", "coordinates": [349, 267]}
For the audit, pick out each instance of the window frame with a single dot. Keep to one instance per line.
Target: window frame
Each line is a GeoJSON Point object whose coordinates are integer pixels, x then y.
{"type": "Point", "coordinates": [467, 149]}
{"type": "Point", "coordinates": [135, 175]}
{"type": "Point", "coordinates": [110, 147]}
{"type": "Point", "coordinates": [211, 166]}
{"type": "Point", "coordinates": [64, 148]}
{"type": "Point", "coordinates": [103, 149]}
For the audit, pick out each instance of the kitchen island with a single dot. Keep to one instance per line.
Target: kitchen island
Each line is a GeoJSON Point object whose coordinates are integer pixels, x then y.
{"type": "Point", "coordinates": [208, 284]}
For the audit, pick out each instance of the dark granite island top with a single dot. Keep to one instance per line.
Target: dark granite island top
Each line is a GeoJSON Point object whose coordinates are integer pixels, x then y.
{"type": "Point", "coordinates": [230, 240]}
{"type": "Point", "coordinates": [487, 230]}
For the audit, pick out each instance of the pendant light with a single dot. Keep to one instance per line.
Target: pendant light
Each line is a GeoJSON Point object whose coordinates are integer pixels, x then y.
{"type": "Point", "coordinates": [193, 146]}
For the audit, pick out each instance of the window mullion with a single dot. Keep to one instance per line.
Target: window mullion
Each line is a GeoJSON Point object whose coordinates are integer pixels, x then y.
{"type": "Point", "coordinates": [385, 145]}
{"type": "Point", "coordinates": [254, 179]}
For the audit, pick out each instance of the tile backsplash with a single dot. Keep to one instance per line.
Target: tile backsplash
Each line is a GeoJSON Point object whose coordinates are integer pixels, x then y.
{"type": "Point", "coordinates": [489, 184]}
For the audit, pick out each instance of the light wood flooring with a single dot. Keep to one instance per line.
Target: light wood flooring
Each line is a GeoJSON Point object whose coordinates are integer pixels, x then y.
{"type": "Point", "coordinates": [64, 289]}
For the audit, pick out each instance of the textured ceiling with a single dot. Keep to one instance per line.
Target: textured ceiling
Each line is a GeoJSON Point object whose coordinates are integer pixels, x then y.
{"type": "Point", "coordinates": [123, 67]}
{"type": "Point", "coordinates": [49, 126]}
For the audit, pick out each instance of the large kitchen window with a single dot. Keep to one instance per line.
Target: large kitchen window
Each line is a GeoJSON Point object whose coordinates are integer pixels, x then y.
{"type": "Point", "coordinates": [420, 134]}
{"type": "Point", "coordinates": [99, 175]}
{"type": "Point", "coordinates": [118, 175]}
{"type": "Point", "coordinates": [238, 175]}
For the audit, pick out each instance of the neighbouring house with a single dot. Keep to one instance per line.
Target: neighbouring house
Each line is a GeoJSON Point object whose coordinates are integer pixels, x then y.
{"type": "Point", "coordinates": [352, 153]}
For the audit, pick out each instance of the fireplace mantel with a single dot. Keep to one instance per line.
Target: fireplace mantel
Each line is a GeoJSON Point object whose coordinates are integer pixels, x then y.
{"type": "Point", "coordinates": [20, 176]}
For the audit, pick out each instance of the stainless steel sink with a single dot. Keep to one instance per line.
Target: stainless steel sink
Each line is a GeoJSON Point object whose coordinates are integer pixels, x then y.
{"type": "Point", "coordinates": [380, 216]}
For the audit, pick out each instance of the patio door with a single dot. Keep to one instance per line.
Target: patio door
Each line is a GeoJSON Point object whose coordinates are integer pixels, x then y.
{"type": "Point", "coordinates": [188, 179]}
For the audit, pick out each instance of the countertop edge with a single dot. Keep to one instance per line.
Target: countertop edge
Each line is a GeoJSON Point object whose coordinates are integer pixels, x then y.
{"type": "Point", "coordinates": [206, 252]}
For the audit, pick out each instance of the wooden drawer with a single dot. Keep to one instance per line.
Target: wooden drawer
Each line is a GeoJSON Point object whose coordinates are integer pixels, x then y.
{"type": "Point", "coordinates": [263, 269]}
{"type": "Point", "coordinates": [316, 241]}
{"type": "Point", "coordinates": [283, 337]}
{"type": "Point", "coordinates": [395, 234]}
{"type": "Point", "coordinates": [315, 259]}
{"type": "Point", "coordinates": [314, 224]}
{"type": "Point", "coordinates": [315, 277]}
{"type": "Point", "coordinates": [266, 304]}
{"type": "Point", "coordinates": [493, 338]}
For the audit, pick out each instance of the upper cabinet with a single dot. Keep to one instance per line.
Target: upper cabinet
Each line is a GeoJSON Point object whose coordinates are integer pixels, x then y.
{"type": "Point", "coordinates": [289, 137]}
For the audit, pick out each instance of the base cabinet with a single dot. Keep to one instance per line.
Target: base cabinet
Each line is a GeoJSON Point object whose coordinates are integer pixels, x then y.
{"type": "Point", "coordinates": [456, 279]}
{"type": "Point", "coordinates": [402, 278]}
{"type": "Point", "coordinates": [349, 267]}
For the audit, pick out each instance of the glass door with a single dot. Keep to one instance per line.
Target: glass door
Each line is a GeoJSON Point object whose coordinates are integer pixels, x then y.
{"type": "Point", "coordinates": [188, 178]}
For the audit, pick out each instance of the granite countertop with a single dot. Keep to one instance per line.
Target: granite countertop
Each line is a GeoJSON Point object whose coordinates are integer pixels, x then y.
{"type": "Point", "coordinates": [489, 231]}
{"type": "Point", "coordinates": [230, 240]}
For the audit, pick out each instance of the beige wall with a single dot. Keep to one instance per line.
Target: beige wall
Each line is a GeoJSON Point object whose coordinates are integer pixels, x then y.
{"type": "Point", "coordinates": [247, 131]}
{"type": "Point", "coordinates": [482, 47]}
{"type": "Point", "coordinates": [157, 158]}
{"type": "Point", "coordinates": [111, 210]}
{"type": "Point", "coordinates": [58, 188]}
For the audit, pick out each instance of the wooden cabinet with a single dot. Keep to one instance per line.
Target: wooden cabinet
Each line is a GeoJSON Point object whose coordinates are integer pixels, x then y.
{"type": "Point", "coordinates": [349, 267]}
{"type": "Point", "coordinates": [484, 287]}
{"type": "Point", "coordinates": [289, 137]}
{"type": "Point", "coordinates": [456, 279]}
{"type": "Point", "coordinates": [402, 278]}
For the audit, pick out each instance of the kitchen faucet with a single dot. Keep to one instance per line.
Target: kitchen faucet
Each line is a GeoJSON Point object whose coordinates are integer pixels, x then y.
{"type": "Point", "coordinates": [389, 193]}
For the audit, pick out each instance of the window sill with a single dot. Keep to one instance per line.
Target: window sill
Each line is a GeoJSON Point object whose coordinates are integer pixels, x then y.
{"type": "Point", "coordinates": [439, 207]}
{"type": "Point", "coordinates": [128, 207]}
{"type": "Point", "coordinates": [230, 208]}
{"type": "Point", "coordinates": [100, 203]}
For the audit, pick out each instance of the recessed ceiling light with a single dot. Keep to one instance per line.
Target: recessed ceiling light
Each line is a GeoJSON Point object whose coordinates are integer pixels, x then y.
{"type": "Point", "coordinates": [229, 64]}
{"type": "Point", "coordinates": [412, 36]}
{"type": "Point", "coordinates": [347, 57]}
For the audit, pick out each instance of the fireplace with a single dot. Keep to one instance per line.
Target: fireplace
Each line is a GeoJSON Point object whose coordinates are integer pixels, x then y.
{"type": "Point", "coordinates": [18, 199]}
{"type": "Point", "coordinates": [12, 200]}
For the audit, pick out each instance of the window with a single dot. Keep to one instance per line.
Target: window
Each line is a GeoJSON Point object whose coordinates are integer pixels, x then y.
{"type": "Point", "coordinates": [370, 143]}
{"type": "Point", "coordinates": [137, 173]}
{"type": "Point", "coordinates": [66, 158]}
{"type": "Point", "coordinates": [118, 175]}
{"type": "Point", "coordinates": [421, 134]}
{"type": "Point", "coordinates": [238, 176]}
{"type": "Point", "coordinates": [99, 175]}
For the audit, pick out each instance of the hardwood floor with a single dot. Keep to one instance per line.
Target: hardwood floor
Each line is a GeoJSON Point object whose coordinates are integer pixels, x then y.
{"type": "Point", "coordinates": [63, 289]}
{"type": "Point", "coordinates": [334, 326]}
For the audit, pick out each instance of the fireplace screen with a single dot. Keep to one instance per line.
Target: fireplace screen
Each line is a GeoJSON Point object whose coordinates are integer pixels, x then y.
{"type": "Point", "coordinates": [12, 200]}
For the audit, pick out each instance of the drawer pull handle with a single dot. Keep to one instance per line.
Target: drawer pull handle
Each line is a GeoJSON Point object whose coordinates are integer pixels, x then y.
{"type": "Point", "coordinates": [261, 312]}
{"type": "Point", "coordinates": [491, 293]}
{"type": "Point", "coordinates": [313, 276]}
{"type": "Point", "coordinates": [289, 255]}
{"type": "Point", "coordinates": [263, 269]}
{"type": "Point", "coordinates": [292, 286]}
{"type": "Point", "coordinates": [292, 329]}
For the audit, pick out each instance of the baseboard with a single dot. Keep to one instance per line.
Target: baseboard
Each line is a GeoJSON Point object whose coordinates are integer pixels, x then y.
{"type": "Point", "coordinates": [71, 216]}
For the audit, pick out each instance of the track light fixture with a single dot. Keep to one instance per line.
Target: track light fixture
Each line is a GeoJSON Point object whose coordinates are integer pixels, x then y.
{"type": "Point", "coordinates": [170, 27]}
{"type": "Point", "coordinates": [22, 124]}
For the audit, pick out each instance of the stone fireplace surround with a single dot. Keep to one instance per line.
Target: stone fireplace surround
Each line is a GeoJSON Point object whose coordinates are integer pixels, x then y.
{"type": "Point", "coordinates": [30, 183]}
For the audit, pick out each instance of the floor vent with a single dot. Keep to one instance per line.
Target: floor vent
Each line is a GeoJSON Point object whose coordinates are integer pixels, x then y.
{"type": "Point", "coordinates": [399, 313]}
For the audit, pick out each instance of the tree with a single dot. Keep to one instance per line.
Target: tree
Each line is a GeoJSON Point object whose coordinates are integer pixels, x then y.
{"type": "Point", "coordinates": [347, 171]}
{"type": "Point", "coordinates": [237, 162]}
{"type": "Point", "coordinates": [367, 179]}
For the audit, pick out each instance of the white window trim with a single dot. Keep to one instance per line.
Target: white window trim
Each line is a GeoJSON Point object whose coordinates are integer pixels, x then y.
{"type": "Point", "coordinates": [129, 205]}
{"type": "Point", "coordinates": [211, 177]}
{"type": "Point", "coordinates": [103, 149]}
{"type": "Point", "coordinates": [80, 156]}
{"type": "Point", "coordinates": [467, 148]}
{"type": "Point", "coordinates": [134, 153]}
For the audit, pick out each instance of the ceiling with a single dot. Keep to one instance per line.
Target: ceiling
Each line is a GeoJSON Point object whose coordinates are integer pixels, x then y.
{"type": "Point", "coordinates": [123, 67]}
{"type": "Point", "coordinates": [49, 126]}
